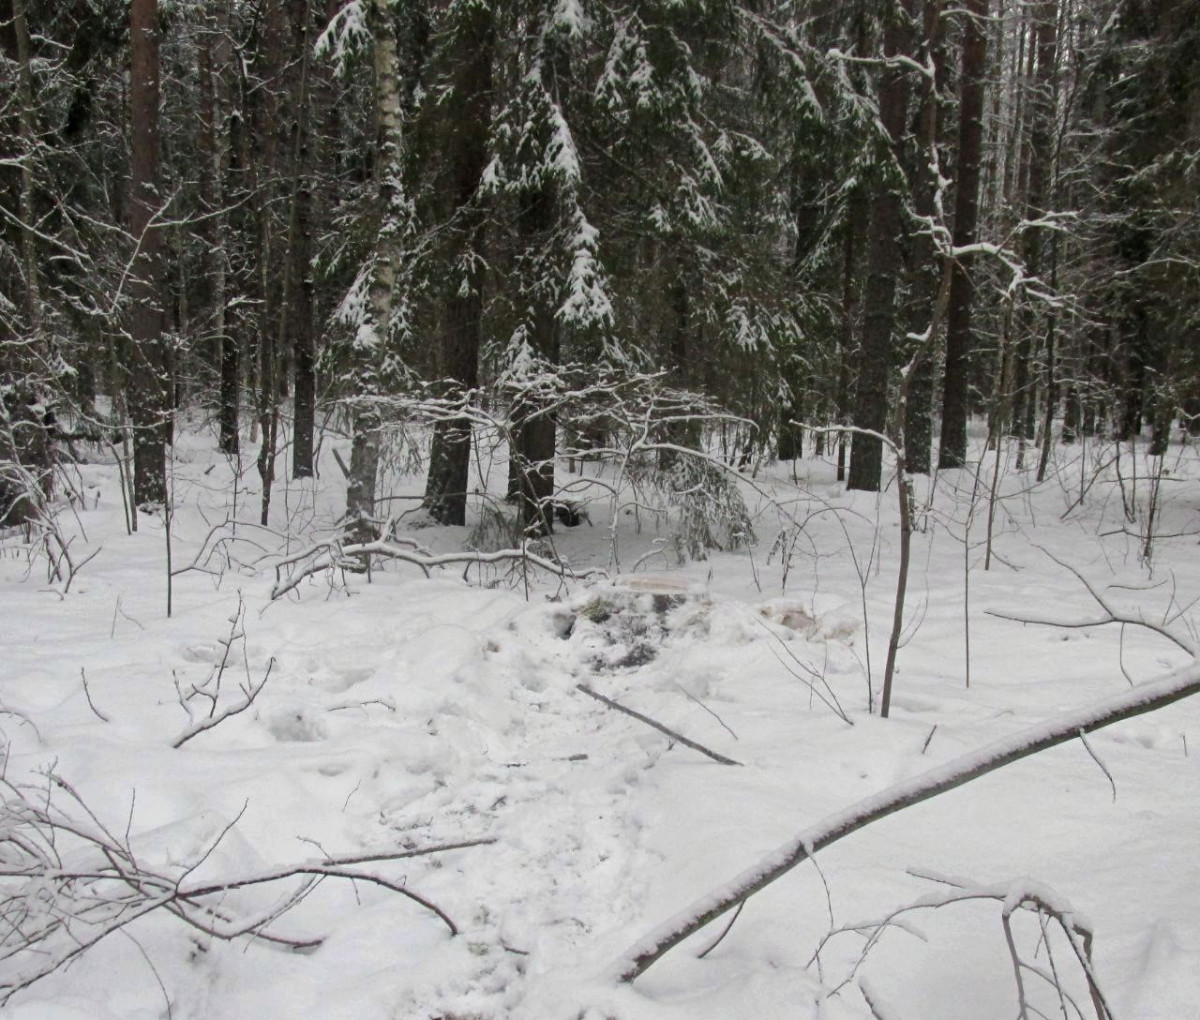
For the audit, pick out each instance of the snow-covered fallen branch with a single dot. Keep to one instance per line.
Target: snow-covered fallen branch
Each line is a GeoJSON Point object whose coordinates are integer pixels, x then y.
{"type": "Point", "coordinates": [1062, 728]}
{"type": "Point", "coordinates": [67, 882]}
{"type": "Point", "coordinates": [335, 554]}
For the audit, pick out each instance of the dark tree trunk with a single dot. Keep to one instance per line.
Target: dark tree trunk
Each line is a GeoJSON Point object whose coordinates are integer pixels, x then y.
{"type": "Point", "coordinates": [272, 265]}
{"type": "Point", "coordinates": [791, 437]}
{"type": "Point", "coordinates": [466, 156]}
{"type": "Point", "coordinates": [148, 382]}
{"type": "Point", "coordinates": [883, 266]}
{"type": "Point", "coordinates": [534, 431]}
{"type": "Point", "coordinates": [296, 312]}
{"type": "Point", "coordinates": [925, 267]}
{"type": "Point", "coordinates": [1040, 155]}
{"type": "Point", "coordinates": [234, 318]}
{"type": "Point", "coordinates": [1135, 338]}
{"type": "Point", "coordinates": [231, 386]}
{"type": "Point", "coordinates": [220, 158]}
{"type": "Point", "coordinates": [855, 226]}
{"type": "Point", "coordinates": [952, 451]}
{"type": "Point", "coordinates": [679, 365]}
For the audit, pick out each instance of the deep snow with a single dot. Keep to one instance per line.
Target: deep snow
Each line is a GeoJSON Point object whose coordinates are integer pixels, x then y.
{"type": "Point", "coordinates": [407, 712]}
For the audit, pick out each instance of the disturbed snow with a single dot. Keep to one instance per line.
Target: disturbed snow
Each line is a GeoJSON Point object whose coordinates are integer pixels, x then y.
{"type": "Point", "coordinates": [407, 712]}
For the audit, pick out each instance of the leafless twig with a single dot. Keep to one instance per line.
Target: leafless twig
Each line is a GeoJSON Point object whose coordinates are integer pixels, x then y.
{"type": "Point", "coordinates": [88, 694]}
{"type": "Point", "coordinates": [67, 882]}
{"type": "Point", "coordinates": [678, 737]}
{"type": "Point", "coordinates": [250, 692]}
{"type": "Point", "coordinates": [1109, 615]}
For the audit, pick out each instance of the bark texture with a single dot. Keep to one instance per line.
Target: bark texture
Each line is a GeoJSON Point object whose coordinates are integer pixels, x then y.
{"type": "Point", "coordinates": [148, 380]}
{"type": "Point", "coordinates": [952, 451]}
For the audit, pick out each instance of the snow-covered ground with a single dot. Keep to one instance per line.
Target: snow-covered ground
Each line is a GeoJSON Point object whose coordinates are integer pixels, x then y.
{"type": "Point", "coordinates": [410, 712]}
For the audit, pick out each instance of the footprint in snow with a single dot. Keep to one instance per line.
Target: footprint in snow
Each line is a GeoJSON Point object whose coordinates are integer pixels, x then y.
{"type": "Point", "coordinates": [295, 726]}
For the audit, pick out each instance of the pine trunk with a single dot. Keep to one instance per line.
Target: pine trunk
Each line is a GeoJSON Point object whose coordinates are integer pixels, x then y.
{"type": "Point", "coordinates": [296, 309]}
{"type": "Point", "coordinates": [952, 452]}
{"type": "Point", "coordinates": [925, 268]}
{"type": "Point", "coordinates": [467, 116]}
{"type": "Point", "coordinates": [883, 267]}
{"type": "Point", "coordinates": [148, 383]}
{"type": "Point", "coordinates": [535, 434]}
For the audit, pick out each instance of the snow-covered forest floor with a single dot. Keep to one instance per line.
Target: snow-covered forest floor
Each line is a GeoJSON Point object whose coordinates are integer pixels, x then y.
{"type": "Point", "coordinates": [402, 712]}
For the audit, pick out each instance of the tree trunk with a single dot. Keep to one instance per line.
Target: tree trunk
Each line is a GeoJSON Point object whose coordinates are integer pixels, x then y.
{"type": "Point", "coordinates": [925, 269]}
{"type": "Point", "coordinates": [952, 451]}
{"type": "Point", "coordinates": [1040, 172]}
{"type": "Point", "coordinates": [213, 57]}
{"type": "Point", "coordinates": [148, 383]}
{"type": "Point", "coordinates": [272, 266]}
{"type": "Point", "coordinates": [366, 421]}
{"type": "Point", "coordinates": [855, 226]}
{"type": "Point", "coordinates": [883, 266]}
{"type": "Point", "coordinates": [28, 131]}
{"type": "Point", "coordinates": [535, 432]}
{"type": "Point", "coordinates": [296, 307]}
{"type": "Point", "coordinates": [467, 118]}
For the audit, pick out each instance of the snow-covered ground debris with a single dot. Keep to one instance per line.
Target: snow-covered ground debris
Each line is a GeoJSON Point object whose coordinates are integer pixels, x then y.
{"type": "Point", "coordinates": [395, 713]}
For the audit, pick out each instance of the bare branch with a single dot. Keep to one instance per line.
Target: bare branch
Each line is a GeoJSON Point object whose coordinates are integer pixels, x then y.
{"type": "Point", "coordinates": [207, 723]}
{"type": "Point", "coordinates": [332, 554]}
{"type": "Point", "coordinates": [678, 737]}
{"type": "Point", "coordinates": [959, 772]}
{"type": "Point", "coordinates": [54, 911]}
{"type": "Point", "coordinates": [1109, 615]}
{"type": "Point", "coordinates": [88, 694]}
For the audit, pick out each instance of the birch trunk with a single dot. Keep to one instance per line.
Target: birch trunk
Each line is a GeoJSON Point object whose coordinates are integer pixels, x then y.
{"type": "Point", "coordinates": [366, 420]}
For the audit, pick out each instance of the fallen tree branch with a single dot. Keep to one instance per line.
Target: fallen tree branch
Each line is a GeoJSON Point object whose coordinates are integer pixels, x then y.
{"type": "Point", "coordinates": [67, 882]}
{"type": "Point", "coordinates": [332, 554]}
{"type": "Point", "coordinates": [678, 737]}
{"type": "Point", "coordinates": [965, 769]}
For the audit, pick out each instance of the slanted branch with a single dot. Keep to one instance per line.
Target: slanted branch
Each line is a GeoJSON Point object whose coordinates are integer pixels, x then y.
{"type": "Point", "coordinates": [950, 776]}
{"type": "Point", "coordinates": [655, 724]}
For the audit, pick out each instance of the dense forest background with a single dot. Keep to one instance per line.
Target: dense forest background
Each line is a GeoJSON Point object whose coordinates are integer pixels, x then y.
{"type": "Point", "coordinates": [555, 219]}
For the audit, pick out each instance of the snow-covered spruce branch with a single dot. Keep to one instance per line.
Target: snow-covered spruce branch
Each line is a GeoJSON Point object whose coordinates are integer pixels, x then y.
{"type": "Point", "coordinates": [332, 554]}
{"type": "Point", "coordinates": [1059, 730]}
{"type": "Point", "coordinates": [67, 882]}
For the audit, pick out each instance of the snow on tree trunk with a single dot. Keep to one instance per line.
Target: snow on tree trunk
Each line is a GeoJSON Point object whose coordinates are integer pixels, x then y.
{"type": "Point", "coordinates": [148, 381]}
